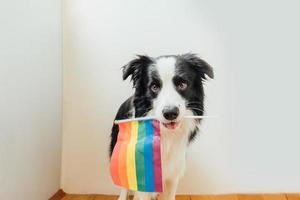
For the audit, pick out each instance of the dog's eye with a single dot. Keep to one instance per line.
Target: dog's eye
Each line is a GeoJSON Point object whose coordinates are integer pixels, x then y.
{"type": "Point", "coordinates": [155, 88]}
{"type": "Point", "coordinates": [182, 86]}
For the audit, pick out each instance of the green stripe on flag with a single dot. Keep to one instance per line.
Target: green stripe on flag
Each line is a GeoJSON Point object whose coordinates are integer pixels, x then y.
{"type": "Point", "coordinates": [139, 156]}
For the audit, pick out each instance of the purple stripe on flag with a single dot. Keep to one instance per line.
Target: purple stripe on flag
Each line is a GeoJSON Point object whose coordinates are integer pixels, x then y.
{"type": "Point", "coordinates": [156, 157]}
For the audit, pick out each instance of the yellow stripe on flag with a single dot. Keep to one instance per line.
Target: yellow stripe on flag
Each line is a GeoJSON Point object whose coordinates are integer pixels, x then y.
{"type": "Point", "coordinates": [131, 170]}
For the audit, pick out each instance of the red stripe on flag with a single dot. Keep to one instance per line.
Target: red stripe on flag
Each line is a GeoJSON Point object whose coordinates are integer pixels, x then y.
{"type": "Point", "coordinates": [114, 164]}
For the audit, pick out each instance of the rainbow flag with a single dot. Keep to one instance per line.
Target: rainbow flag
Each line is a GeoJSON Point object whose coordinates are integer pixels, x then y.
{"type": "Point", "coordinates": [136, 159]}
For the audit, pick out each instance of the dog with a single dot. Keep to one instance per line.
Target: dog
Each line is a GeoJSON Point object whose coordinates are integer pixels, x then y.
{"type": "Point", "coordinates": [169, 88]}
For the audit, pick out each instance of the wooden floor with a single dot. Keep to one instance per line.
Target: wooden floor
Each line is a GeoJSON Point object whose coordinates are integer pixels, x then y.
{"type": "Point", "coordinates": [194, 197]}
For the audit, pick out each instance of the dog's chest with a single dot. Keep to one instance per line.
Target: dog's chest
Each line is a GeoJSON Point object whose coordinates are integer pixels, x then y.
{"type": "Point", "coordinates": [173, 147]}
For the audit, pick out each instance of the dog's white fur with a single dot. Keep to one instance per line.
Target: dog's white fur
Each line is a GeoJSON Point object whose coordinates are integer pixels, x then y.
{"type": "Point", "coordinates": [173, 142]}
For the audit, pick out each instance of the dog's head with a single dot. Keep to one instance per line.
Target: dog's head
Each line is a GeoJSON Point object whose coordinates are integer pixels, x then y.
{"type": "Point", "coordinates": [168, 87]}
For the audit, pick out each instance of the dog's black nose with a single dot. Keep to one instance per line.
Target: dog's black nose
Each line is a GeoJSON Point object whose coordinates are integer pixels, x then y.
{"type": "Point", "coordinates": [170, 113]}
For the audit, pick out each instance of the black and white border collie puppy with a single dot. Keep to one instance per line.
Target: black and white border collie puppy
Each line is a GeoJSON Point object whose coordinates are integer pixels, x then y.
{"type": "Point", "coordinates": [169, 88]}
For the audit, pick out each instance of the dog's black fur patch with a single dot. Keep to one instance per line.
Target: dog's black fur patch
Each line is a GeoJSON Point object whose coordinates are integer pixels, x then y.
{"type": "Point", "coordinates": [188, 67]}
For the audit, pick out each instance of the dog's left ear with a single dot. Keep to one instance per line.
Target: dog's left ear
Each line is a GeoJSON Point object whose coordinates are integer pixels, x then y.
{"type": "Point", "coordinates": [199, 64]}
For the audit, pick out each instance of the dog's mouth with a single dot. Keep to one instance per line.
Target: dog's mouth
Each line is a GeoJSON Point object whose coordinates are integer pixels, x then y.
{"type": "Point", "coordinates": [171, 125]}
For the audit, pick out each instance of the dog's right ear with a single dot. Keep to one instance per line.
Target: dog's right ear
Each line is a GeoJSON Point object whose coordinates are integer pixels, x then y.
{"type": "Point", "coordinates": [136, 68]}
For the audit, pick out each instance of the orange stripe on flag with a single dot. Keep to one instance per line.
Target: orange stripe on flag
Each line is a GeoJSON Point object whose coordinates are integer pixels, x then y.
{"type": "Point", "coordinates": [124, 137]}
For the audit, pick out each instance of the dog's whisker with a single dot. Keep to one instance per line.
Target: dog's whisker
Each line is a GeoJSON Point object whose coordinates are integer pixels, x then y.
{"type": "Point", "coordinates": [193, 102]}
{"type": "Point", "coordinates": [189, 103]}
{"type": "Point", "coordinates": [193, 108]}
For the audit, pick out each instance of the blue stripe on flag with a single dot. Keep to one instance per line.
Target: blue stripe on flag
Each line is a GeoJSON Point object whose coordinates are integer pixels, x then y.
{"type": "Point", "coordinates": [149, 176]}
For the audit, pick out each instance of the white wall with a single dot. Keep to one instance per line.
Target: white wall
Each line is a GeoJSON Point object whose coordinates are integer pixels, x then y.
{"type": "Point", "coordinates": [253, 146]}
{"type": "Point", "coordinates": [30, 99]}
